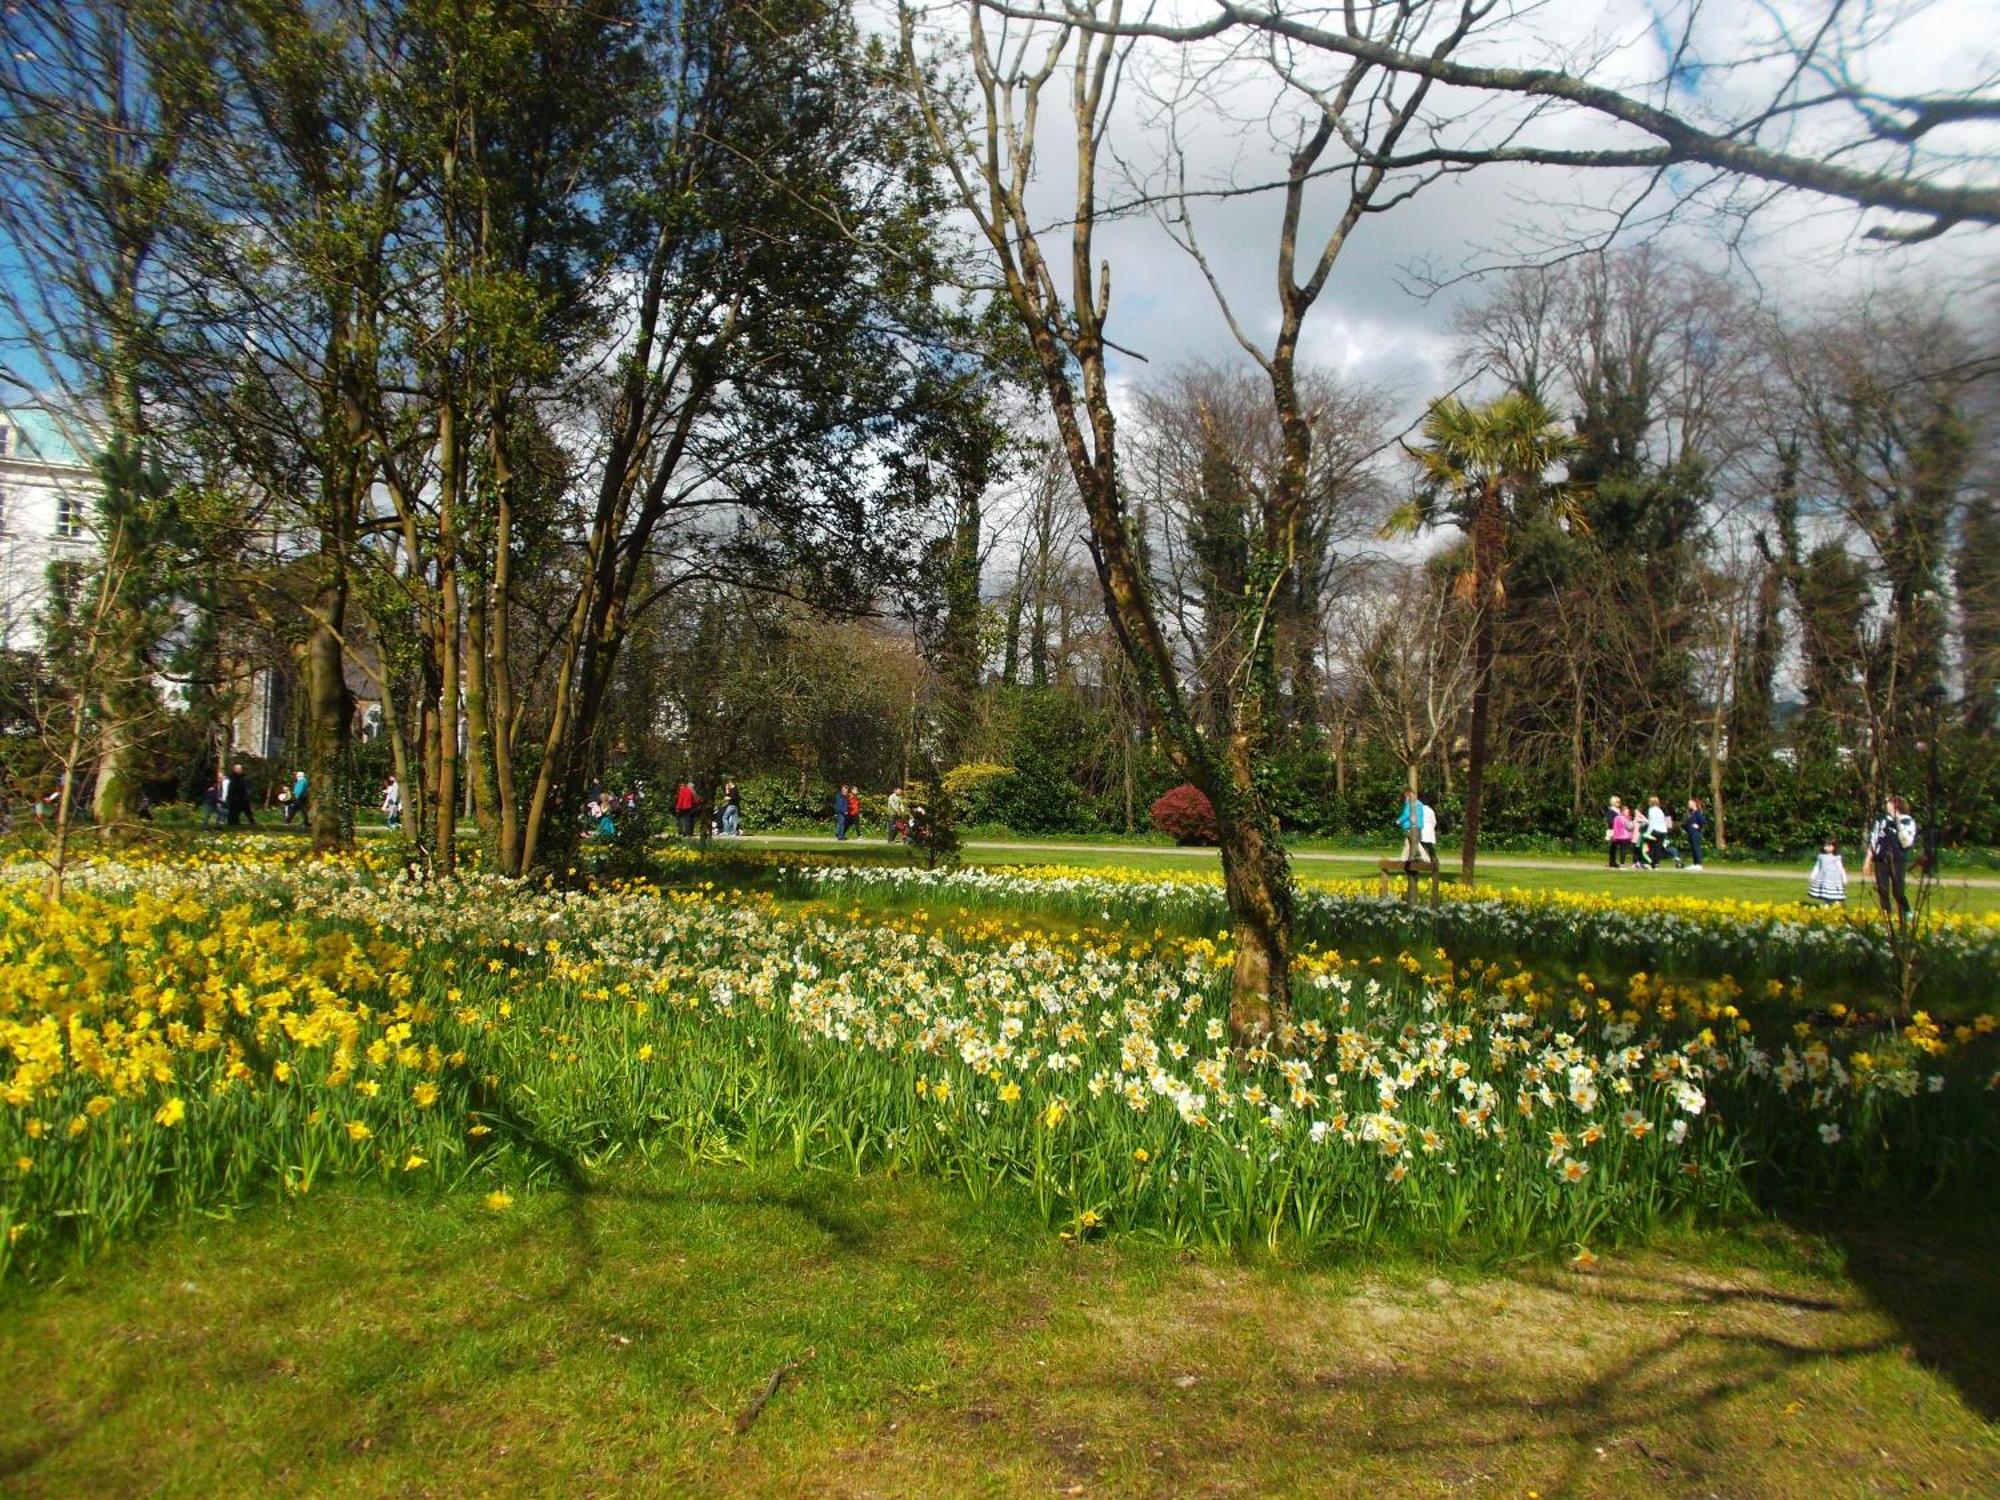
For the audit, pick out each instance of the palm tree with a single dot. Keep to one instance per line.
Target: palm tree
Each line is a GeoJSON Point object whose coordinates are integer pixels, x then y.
{"type": "Point", "coordinates": [1483, 469]}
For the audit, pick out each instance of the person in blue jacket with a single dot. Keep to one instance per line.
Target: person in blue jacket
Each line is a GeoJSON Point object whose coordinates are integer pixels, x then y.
{"type": "Point", "coordinates": [1419, 825]}
{"type": "Point", "coordinates": [1696, 824]}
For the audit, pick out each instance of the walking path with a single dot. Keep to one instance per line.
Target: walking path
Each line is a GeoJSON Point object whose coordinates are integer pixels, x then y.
{"type": "Point", "coordinates": [1357, 857]}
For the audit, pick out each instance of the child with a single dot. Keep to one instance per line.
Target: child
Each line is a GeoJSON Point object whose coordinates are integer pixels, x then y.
{"type": "Point", "coordinates": [1829, 876]}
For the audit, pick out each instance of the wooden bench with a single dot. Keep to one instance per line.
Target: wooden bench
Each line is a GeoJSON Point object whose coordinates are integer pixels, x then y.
{"type": "Point", "coordinates": [1412, 870]}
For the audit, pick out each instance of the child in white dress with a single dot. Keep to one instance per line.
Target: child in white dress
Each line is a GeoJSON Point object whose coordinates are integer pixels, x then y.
{"type": "Point", "coordinates": [1829, 876]}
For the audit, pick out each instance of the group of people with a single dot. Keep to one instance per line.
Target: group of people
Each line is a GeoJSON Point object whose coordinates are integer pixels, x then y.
{"type": "Point", "coordinates": [902, 821]}
{"type": "Point", "coordinates": [1638, 839]}
{"type": "Point", "coordinates": [727, 820]}
{"type": "Point", "coordinates": [603, 810]}
{"type": "Point", "coordinates": [228, 798]}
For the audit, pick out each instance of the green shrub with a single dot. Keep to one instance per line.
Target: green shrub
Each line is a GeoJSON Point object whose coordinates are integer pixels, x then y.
{"type": "Point", "coordinates": [978, 790]}
{"type": "Point", "coordinates": [776, 801]}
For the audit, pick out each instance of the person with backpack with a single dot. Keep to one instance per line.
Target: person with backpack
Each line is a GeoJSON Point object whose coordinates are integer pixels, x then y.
{"type": "Point", "coordinates": [1697, 825]}
{"type": "Point", "coordinates": [1419, 824]}
{"type": "Point", "coordinates": [1888, 856]}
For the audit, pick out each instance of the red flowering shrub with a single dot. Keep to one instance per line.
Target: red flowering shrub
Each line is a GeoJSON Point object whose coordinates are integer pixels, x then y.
{"type": "Point", "coordinates": [1187, 814]}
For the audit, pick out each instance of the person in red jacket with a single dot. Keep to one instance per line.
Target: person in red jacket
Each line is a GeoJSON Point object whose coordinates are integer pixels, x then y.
{"type": "Point", "coordinates": [685, 802]}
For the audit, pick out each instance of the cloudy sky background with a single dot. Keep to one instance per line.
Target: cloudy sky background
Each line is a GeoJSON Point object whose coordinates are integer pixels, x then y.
{"type": "Point", "coordinates": [1373, 324]}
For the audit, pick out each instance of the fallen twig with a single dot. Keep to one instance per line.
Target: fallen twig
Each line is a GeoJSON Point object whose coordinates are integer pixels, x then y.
{"type": "Point", "coordinates": [756, 1407]}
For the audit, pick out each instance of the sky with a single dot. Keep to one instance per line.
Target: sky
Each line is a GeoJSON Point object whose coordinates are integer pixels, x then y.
{"type": "Point", "coordinates": [1376, 323]}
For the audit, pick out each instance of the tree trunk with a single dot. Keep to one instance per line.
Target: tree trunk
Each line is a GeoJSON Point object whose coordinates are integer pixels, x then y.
{"type": "Point", "coordinates": [1131, 822]}
{"type": "Point", "coordinates": [1716, 730]}
{"type": "Point", "coordinates": [502, 660]}
{"type": "Point", "coordinates": [329, 712]}
{"type": "Point", "coordinates": [479, 729]}
{"type": "Point", "coordinates": [399, 751]}
{"type": "Point", "coordinates": [1576, 726]}
{"type": "Point", "coordinates": [446, 823]}
{"type": "Point", "coordinates": [447, 626]}
{"type": "Point", "coordinates": [115, 803]}
{"type": "Point", "coordinates": [1485, 571]}
{"type": "Point", "coordinates": [65, 806]}
{"type": "Point", "coordinates": [1010, 660]}
{"type": "Point", "coordinates": [1257, 881]}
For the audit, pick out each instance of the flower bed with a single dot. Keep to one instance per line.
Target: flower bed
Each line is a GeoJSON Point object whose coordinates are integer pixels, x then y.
{"type": "Point", "coordinates": [184, 1036]}
{"type": "Point", "coordinates": [1673, 934]}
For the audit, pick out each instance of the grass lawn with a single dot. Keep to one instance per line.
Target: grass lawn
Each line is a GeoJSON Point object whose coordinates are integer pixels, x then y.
{"type": "Point", "coordinates": [1522, 872]}
{"type": "Point", "coordinates": [613, 1339]}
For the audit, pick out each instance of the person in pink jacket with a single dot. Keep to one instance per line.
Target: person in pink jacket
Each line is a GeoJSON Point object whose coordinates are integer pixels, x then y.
{"type": "Point", "coordinates": [1621, 837]}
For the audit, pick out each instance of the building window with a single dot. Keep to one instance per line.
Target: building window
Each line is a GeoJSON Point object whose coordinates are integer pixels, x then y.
{"type": "Point", "coordinates": [69, 515]}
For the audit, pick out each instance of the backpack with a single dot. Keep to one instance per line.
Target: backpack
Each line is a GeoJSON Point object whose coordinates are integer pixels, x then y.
{"type": "Point", "coordinates": [1906, 830]}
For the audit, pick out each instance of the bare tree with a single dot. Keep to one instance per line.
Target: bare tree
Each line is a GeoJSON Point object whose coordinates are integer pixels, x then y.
{"type": "Point", "coordinates": [99, 103]}
{"type": "Point", "coordinates": [1205, 446]}
{"type": "Point", "coordinates": [1806, 121]}
{"type": "Point", "coordinates": [1404, 661]}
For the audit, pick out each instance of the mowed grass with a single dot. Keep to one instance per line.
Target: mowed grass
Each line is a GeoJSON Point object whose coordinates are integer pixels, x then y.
{"type": "Point", "coordinates": [612, 1339]}
{"type": "Point", "coordinates": [1974, 892]}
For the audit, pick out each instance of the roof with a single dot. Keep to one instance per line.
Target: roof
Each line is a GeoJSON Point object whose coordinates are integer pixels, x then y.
{"type": "Point", "coordinates": [41, 435]}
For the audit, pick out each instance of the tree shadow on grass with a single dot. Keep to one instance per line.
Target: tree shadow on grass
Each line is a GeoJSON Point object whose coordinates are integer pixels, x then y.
{"type": "Point", "coordinates": [1457, 1394]}
{"type": "Point", "coordinates": [1938, 1279]}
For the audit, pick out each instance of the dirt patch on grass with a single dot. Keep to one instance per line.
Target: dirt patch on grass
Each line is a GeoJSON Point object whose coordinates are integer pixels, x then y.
{"type": "Point", "coordinates": [1642, 1373]}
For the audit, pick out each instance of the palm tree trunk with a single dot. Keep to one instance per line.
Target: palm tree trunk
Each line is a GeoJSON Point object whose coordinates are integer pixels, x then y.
{"type": "Point", "coordinates": [1485, 570]}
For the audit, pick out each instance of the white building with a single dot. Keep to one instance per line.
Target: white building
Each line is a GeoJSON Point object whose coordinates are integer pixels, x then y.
{"type": "Point", "coordinates": [47, 494]}
{"type": "Point", "coordinates": [46, 490]}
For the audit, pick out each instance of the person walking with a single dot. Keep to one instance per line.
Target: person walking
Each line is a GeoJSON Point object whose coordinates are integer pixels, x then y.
{"type": "Point", "coordinates": [1658, 827]}
{"type": "Point", "coordinates": [296, 807]}
{"type": "Point", "coordinates": [1611, 812]}
{"type": "Point", "coordinates": [1828, 883]}
{"type": "Point", "coordinates": [211, 802]}
{"type": "Point", "coordinates": [1888, 856]}
{"type": "Point", "coordinates": [236, 796]}
{"type": "Point", "coordinates": [840, 813]}
{"type": "Point", "coordinates": [392, 804]}
{"type": "Point", "coordinates": [685, 802]}
{"type": "Point", "coordinates": [1696, 824]}
{"type": "Point", "coordinates": [1621, 837]}
{"type": "Point", "coordinates": [1418, 821]}
{"type": "Point", "coordinates": [897, 815]}
{"type": "Point", "coordinates": [732, 811]}
{"type": "Point", "coordinates": [854, 810]}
